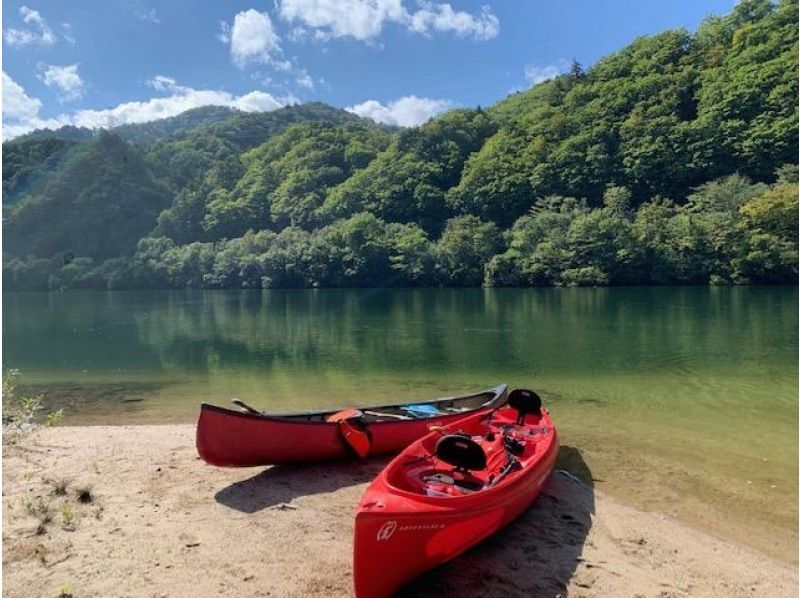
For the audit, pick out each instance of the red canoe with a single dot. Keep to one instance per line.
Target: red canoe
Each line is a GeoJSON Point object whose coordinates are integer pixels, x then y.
{"type": "Point", "coordinates": [450, 490]}
{"type": "Point", "coordinates": [232, 438]}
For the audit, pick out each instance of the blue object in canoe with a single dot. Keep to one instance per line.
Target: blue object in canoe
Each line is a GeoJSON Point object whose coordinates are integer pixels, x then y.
{"type": "Point", "coordinates": [422, 410]}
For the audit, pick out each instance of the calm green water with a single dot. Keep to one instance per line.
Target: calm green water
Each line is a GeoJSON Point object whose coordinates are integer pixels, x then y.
{"type": "Point", "coordinates": [684, 399]}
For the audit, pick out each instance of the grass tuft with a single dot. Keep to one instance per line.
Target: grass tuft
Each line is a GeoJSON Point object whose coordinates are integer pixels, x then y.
{"type": "Point", "coordinates": [60, 487]}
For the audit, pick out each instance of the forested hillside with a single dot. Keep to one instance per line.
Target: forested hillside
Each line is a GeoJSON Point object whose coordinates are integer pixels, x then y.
{"type": "Point", "coordinates": [670, 161]}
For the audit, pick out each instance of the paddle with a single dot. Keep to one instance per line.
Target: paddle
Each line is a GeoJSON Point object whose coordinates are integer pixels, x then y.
{"type": "Point", "coordinates": [356, 439]}
{"type": "Point", "coordinates": [391, 415]}
{"type": "Point", "coordinates": [512, 465]}
{"type": "Point", "coordinates": [240, 403]}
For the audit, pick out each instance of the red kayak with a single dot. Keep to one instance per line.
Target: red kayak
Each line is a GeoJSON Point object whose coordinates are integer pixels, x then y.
{"type": "Point", "coordinates": [232, 438]}
{"type": "Point", "coordinates": [450, 490]}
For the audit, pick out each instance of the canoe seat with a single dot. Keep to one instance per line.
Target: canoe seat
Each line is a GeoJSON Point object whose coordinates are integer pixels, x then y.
{"type": "Point", "coordinates": [524, 401]}
{"type": "Point", "coordinates": [461, 452]}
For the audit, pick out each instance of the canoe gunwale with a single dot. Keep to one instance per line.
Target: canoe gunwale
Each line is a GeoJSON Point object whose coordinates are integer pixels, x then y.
{"type": "Point", "coordinates": [498, 396]}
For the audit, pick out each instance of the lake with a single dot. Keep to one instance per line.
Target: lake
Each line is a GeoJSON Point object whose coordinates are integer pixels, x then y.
{"type": "Point", "coordinates": [681, 400]}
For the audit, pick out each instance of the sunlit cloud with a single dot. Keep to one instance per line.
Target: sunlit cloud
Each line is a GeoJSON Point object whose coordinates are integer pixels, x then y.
{"type": "Point", "coordinates": [37, 32]}
{"type": "Point", "coordinates": [407, 111]}
{"type": "Point", "coordinates": [64, 79]}
{"type": "Point", "coordinates": [364, 19]}
{"type": "Point", "coordinates": [535, 73]}
{"type": "Point", "coordinates": [21, 112]}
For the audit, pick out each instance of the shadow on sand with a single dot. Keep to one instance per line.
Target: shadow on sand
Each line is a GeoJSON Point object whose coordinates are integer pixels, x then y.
{"type": "Point", "coordinates": [536, 555]}
{"type": "Point", "coordinates": [283, 483]}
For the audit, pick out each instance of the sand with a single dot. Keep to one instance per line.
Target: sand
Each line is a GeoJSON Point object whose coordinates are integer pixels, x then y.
{"type": "Point", "coordinates": [163, 523]}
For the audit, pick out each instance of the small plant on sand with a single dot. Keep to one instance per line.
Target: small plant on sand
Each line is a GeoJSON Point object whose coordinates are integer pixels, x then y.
{"type": "Point", "coordinates": [84, 494]}
{"type": "Point", "coordinates": [40, 509]}
{"type": "Point", "coordinates": [43, 512]}
{"type": "Point", "coordinates": [19, 412]}
{"type": "Point", "coordinates": [68, 515]}
{"type": "Point", "coordinates": [53, 418]}
{"type": "Point", "coordinates": [64, 591]}
{"type": "Point", "coordinates": [59, 487]}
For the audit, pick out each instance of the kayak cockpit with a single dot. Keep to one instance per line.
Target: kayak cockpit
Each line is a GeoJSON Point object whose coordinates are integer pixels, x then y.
{"type": "Point", "coordinates": [476, 458]}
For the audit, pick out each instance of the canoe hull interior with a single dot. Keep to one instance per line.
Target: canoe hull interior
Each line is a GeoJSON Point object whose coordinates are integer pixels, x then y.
{"type": "Point", "coordinates": [230, 438]}
{"type": "Point", "coordinates": [398, 537]}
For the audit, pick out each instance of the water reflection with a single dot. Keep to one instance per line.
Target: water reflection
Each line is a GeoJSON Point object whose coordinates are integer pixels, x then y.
{"type": "Point", "coordinates": [688, 389]}
{"type": "Point", "coordinates": [680, 334]}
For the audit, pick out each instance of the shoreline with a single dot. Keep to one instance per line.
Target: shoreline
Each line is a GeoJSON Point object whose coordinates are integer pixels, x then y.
{"type": "Point", "coordinates": [651, 480]}
{"type": "Point", "coordinates": [163, 523]}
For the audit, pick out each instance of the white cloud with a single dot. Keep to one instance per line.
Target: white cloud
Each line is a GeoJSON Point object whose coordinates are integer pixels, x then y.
{"type": "Point", "coordinates": [148, 15]}
{"type": "Point", "coordinates": [224, 34]}
{"type": "Point", "coordinates": [162, 83]}
{"type": "Point", "coordinates": [254, 42]}
{"type": "Point", "coordinates": [361, 19]}
{"type": "Point", "coordinates": [364, 19]}
{"type": "Point", "coordinates": [442, 17]}
{"type": "Point", "coordinates": [65, 79]}
{"type": "Point", "coordinates": [21, 112]}
{"type": "Point", "coordinates": [39, 32]}
{"type": "Point", "coordinates": [66, 32]}
{"type": "Point", "coordinates": [304, 80]}
{"type": "Point", "coordinates": [252, 38]}
{"type": "Point", "coordinates": [297, 34]}
{"type": "Point", "coordinates": [17, 105]}
{"type": "Point", "coordinates": [258, 101]}
{"type": "Point", "coordinates": [537, 73]}
{"type": "Point", "coordinates": [408, 111]}
{"type": "Point", "coordinates": [285, 66]}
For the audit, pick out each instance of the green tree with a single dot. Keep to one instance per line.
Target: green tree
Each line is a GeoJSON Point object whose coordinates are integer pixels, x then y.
{"type": "Point", "coordinates": [467, 244]}
{"type": "Point", "coordinates": [770, 226]}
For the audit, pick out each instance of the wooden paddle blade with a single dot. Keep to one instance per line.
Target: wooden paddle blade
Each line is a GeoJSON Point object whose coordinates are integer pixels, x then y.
{"type": "Point", "coordinates": [358, 440]}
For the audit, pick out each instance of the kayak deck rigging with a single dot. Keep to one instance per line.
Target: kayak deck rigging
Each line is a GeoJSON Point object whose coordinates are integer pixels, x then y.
{"type": "Point", "coordinates": [442, 470]}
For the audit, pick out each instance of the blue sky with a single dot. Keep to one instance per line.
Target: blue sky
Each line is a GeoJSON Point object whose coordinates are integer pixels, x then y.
{"type": "Point", "coordinates": [106, 62]}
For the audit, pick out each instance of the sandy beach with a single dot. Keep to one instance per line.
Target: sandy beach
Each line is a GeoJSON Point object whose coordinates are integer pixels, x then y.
{"type": "Point", "coordinates": [154, 520]}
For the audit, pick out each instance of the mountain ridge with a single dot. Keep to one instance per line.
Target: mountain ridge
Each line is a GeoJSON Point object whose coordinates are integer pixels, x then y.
{"type": "Point", "coordinates": [672, 160]}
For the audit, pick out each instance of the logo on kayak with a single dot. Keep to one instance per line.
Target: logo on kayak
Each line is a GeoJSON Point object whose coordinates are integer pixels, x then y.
{"type": "Point", "coordinates": [386, 530]}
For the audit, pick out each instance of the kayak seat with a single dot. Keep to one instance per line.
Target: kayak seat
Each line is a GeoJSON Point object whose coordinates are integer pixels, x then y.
{"type": "Point", "coordinates": [524, 401]}
{"type": "Point", "coordinates": [463, 453]}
